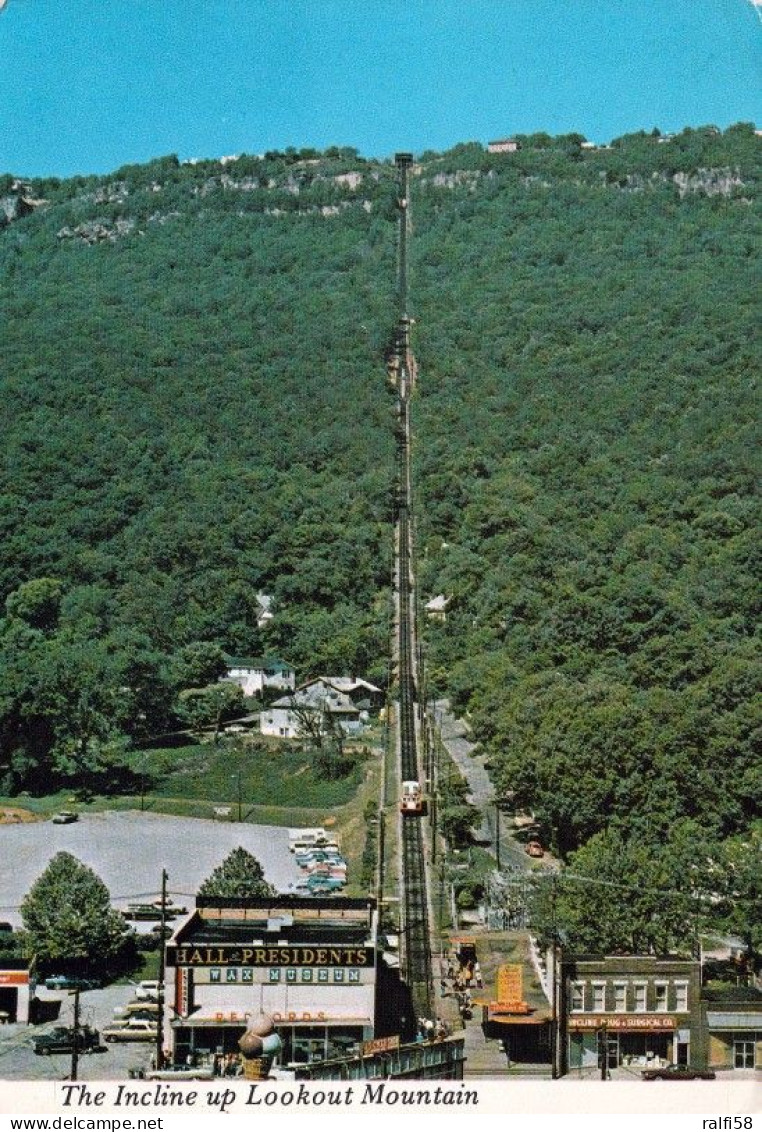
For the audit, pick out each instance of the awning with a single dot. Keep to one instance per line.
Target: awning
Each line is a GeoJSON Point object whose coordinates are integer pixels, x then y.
{"type": "Point", "coordinates": [235, 1017]}
{"type": "Point", "coordinates": [517, 1020]}
{"type": "Point", "coordinates": [731, 1020]}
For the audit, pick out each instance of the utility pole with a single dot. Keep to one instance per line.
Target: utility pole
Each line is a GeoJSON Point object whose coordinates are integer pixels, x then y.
{"type": "Point", "coordinates": [554, 1043]}
{"type": "Point", "coordinates": [604, 1040]}
{"type": "Point", "coordinates": [160, 1019]}
{"type": "Point", "coordinates": [75, 1041]}
{"type": "Point", "coordinates": [381, 851]}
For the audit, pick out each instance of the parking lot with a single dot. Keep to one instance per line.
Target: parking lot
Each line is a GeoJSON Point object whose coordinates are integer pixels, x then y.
{"type": "Point", "coordinates": [128, 850]}
{"type": "Point", "coordinates": [19, 1061]}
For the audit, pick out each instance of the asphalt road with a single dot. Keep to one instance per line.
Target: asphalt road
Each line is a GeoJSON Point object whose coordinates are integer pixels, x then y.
{"type": "Point", "coordinates": [481, 790]}
{"type": "Point", "coordinates": [129, 849]}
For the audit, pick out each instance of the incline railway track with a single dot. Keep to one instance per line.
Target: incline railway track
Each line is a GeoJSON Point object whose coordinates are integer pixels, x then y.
{"type": "Point", "coordinates": [416, 951]}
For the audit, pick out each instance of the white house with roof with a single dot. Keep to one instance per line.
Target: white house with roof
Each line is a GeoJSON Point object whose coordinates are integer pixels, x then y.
{"type": "Point", "coordinates": [437, 607]}
{"type": "Point", "coordinates": [264, 609]}
{"type": "Point", "coordinates": [254, 674]}
{"type": "Point", "coordinates": [361, 692]}
{"type": "Point", "coordinates": [311, 706]}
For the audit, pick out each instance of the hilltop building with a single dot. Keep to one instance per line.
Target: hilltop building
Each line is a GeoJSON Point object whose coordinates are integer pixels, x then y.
{"type": "Point", "coordinates": [503, 145]}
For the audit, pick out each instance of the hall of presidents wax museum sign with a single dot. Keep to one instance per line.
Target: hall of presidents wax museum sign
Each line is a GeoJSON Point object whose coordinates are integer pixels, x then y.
{"type": "Point", "coordinates": [235, 955]}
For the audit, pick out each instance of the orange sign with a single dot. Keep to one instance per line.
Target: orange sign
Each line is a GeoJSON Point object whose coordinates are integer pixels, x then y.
{"type": "Point", "coordinates": [380, 1045]}
{"type": "Point", "coordinates": [14, 978]}
{"type": "Point", "coordinates": [510, 984]}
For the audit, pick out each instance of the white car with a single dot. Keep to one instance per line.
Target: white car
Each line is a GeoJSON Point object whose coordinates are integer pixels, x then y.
{"type": "Point", "coordinates": [130, 1030]}
{"type": "Point", "coordinates": [148, 990]}
{"type": "Point", "coordinates": [181, 1073]}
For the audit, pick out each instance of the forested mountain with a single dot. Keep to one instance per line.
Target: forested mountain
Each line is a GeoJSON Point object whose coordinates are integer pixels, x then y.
{"type": "Point", "coordinates": [586, 463]}
{"type": "Point", "coordinates": [195, 410]}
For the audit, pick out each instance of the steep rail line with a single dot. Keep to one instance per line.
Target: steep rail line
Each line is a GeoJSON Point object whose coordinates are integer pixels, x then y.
{"type": "Point", "coordinates": [415, 907]}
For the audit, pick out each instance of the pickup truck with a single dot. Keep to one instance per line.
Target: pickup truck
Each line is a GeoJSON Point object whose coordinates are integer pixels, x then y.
{"type": "Point", "coordinates": [70, 982]}
{"type": "Point", "coordinates": [61, 1040]}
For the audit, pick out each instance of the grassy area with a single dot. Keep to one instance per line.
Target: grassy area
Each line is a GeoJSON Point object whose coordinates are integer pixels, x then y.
{"type": "Point", "coordinates": [270, 774]}
{"type": "Point", "coordinates": [277, 785]}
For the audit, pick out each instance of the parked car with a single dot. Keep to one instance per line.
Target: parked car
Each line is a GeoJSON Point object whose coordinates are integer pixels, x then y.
{"type": "Point", "coordinates": [149, 912]}
{"type": "Point", "coordinates": [534, 849]}
{"type": "Point", "coordinates": [70, 982]}
{"type": "Point", "coordinates": [181, 1073]}
{"type": "Point", "coordinates": [138, 1008]}
{"type": "Point", "coordinates": [148, 989]}
{"type": "Point", "coordinates": [678, 1073]}
{"type": "Point", "coordinates": [130, 1030]}
{"type": "Point", "coordinates": [65, 817]}
{"type": "Point", "coordinates": [61, 1040]}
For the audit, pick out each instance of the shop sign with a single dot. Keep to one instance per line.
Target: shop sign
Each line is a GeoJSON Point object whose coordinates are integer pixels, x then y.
{"type": "Point", "coordinates": [14, 978]}
{"type": "Point", "coordinates": [622, 1022]}
{"type": "Point", "coordinates": [380, 1045]}
{"type": "Point", "coordinates": [510, 983]}
{"type": "Point", "coordinates": [233, 955]}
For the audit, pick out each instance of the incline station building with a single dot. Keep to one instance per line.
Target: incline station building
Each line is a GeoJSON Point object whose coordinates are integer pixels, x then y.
{"type": "Point", "coordinates": [311, 964]}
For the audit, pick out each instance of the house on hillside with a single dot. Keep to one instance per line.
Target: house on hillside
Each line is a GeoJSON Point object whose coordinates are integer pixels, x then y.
{"type": "Point", "coordinates": [361, 692]}
{"type": "Point", "coordinates": [313, 708]}
{"type": "Point", "coordinates": [437, 607]}
{"type": "Point", "coordinates": [253, 675]}
{"type": "Point", "coordinates": [264, 609]}
{"type": "Point", "coordinates": [503, 145]}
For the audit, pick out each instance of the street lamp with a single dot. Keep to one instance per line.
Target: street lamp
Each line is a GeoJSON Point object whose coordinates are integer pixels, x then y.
{"type": "Point", "coordinates": [237, 776]}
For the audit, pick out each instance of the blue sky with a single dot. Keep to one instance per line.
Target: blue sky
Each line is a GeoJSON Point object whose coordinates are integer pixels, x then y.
{"type": "Point", "coordinates": [88, 85]}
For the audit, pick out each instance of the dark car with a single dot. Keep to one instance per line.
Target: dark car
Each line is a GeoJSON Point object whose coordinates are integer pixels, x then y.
{"type": "Point", "coordinates": [61, 1040]}
{"type": "Point", "coordinates": [65, 817]}
{"type": "Point", "coordinates": [678, 1073]}
{"type": "Point", "coordinates": [70, 982]}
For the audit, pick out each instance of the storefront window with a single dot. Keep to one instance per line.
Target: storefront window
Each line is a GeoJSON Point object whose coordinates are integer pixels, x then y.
{"type": "Point", "coordinates": [309, 1044]}
{"type": "Point", "coordinates": [346, 1043]}
{"type": "Point", "coordinates": [743, 1055]}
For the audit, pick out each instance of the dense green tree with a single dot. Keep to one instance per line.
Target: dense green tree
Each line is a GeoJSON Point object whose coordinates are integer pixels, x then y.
{"type": "Point", "coordinates": [207, 707]}
{"type": "Point", "coordinates": [69, 918]}
{"type": "Point", "coordinates": [36, 603]}
{"type": "Point", "coordinates": [239, 875]}
{"type": "Point", "coordinates": [629, 895]}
